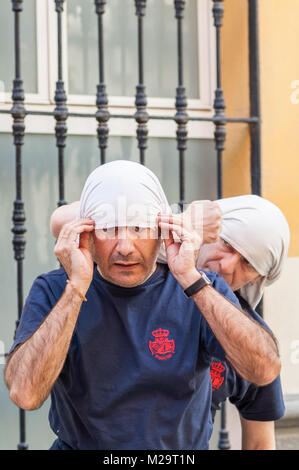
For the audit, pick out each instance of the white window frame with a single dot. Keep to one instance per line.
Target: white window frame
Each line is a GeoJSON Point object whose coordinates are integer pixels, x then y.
{"type": "Point", "coordinates": [46, 20]}
{"type": "Point", "coordinates": [41, 50]}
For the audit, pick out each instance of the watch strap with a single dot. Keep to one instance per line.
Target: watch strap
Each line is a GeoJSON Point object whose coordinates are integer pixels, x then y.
{"type": "Point", "coordinates": [197, 285]}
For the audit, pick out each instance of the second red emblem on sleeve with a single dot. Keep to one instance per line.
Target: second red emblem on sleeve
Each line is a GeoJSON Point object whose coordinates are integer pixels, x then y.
{"type": "Point", "coordinates": [216, 378]}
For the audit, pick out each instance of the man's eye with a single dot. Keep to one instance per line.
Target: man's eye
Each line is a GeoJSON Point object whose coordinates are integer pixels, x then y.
{"type": "Point", "coordinates": [137, 229]}
{"type": "Point", "coordinates": [229, 248]}
{"type": "Point", "coordinates": [109, 231]}
{"type": "Point", "coordinates": [248, 264]}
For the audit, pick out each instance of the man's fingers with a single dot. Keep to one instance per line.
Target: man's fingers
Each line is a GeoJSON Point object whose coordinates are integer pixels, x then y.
{"type": "Point", "coordinates": [165, 233]}
{"type": "Point", "coordinates": [167, 237]}
{"type": "Point", "coordinates": [67, 240]}
{"type": "Point", "coordinates": [71, 234]}
{"type": "Point", "coordinates": [178, 219]}
{"type": "Point", "coordinates": [192, 238]}
{"type": "Point", "coordinates": [76, 223]}
{"type": "Point", "coordinates": [178, 229]}
{"type": "Point", "coordinates": [72, 229]}
{"type": "Point", "coordinates": [84, 240]}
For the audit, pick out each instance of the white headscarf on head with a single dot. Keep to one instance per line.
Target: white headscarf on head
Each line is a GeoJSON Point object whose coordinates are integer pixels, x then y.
{"type": "Point", "coordinates": [122, 193]}
{"type": "Point", "coordinates": [258, 230]}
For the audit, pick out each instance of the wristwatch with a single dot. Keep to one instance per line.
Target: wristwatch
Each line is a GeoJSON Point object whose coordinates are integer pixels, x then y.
{"type": "Point", "coordinates": [197, 285]}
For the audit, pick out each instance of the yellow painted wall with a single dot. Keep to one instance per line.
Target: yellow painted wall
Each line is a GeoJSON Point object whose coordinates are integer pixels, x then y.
{"type": "Point", "coordinates": [279, 63]}
{"type": "Point", "coordinates": [279, 67]}
{"type": "Point", "coordinates": [235, 84]}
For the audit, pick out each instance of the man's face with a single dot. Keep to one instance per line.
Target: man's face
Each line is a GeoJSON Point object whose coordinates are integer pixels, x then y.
{"type": "Point", "coordinates": [125, 256]}
{"type": "Point", "coordinates": [229, 263]}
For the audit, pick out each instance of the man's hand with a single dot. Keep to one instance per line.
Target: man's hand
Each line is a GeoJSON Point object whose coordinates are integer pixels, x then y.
{"type": "Point", "coordinates": [182, 253]}
{"type": "Point", "coordinates": [76, 259]}
{"type": "Point", "coordinates": [205, 218]}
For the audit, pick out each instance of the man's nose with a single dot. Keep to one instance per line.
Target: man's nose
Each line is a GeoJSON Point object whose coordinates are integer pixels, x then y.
{"type": "Point", "coordinates": [125, 245]}
{"type": "Point", "coordinates": [229, 262]}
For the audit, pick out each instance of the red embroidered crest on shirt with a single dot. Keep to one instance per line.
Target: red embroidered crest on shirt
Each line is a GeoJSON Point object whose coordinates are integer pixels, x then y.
{"type": "Point", "coordinates": [217, 380]}
{"type": "Point", "coordinates": [162, 348]}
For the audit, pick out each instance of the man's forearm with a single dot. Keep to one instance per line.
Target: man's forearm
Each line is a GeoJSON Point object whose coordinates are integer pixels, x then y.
{"type": "Point", "coordinates": [34, 367]}
{"type": "Point", "coordinates": [249, 347]}
{"type": "Point", "coordinates": [258, 435]}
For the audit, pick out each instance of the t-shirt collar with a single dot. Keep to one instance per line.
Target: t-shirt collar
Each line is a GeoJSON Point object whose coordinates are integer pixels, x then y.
{"type": "Point", "coordinates": [159, 273]}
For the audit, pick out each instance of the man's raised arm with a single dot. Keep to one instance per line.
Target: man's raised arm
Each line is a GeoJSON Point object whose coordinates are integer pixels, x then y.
{"type": "Point", "coordinates": [34, 366]}
{"type": "Point", "coordinates": [249, 347]}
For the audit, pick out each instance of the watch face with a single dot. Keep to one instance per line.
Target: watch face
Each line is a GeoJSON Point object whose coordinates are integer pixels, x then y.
{"type": "Point", "coordinates": [205, 277]}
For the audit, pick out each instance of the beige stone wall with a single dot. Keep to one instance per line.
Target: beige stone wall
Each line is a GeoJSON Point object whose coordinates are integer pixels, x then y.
{"type": "Point", "coordinates": [281, 306]}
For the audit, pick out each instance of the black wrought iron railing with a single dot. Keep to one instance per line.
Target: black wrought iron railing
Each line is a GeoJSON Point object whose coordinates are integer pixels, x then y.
{"type": "Point", "coordinates": [61, 114]}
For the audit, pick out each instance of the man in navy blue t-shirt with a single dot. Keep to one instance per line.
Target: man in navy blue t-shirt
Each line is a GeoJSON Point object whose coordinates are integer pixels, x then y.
{"type": "Point", "coordinates": [124, 345]}
{"type": "Point", "coordinates": [250, 255]}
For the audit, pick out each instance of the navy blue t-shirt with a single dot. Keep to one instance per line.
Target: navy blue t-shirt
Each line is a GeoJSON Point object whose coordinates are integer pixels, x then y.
{"type": "Point", "coordinates": [253, 402]}
{"type": "Point", "coordinates": [137, 373]}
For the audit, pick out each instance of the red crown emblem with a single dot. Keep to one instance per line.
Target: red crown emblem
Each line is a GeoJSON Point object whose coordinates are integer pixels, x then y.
{"type": "Point", "coordinates": [160, 333]}
{"type": "Point", "coordinates": [218, 367]}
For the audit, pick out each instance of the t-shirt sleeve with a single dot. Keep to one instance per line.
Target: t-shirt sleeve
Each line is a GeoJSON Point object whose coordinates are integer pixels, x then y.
{"type": "Point", "coordinates": [209, 340]}
{"type": "Point", "coordinates": [261, 403]}
{"type": "Point", "coordinates": [38, 305]}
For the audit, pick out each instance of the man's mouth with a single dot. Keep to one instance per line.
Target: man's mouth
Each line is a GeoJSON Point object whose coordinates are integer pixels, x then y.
{"type": "Point", "coordinates": [126, 265]}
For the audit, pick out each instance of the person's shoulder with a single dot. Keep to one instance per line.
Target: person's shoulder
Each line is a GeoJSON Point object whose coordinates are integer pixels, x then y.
{"type": "Point", "coordinates": [56, 275]}
{"type": "Point", "coordinates": [221, 286]}
{"type": "Point", "coordinates": [212, 275]}
{"type": "Point", "coordinates": [51, 281]}
{"type": "Point", "coordinates": [217, 280]}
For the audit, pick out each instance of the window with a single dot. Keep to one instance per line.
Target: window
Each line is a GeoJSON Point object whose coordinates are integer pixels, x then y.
{"type": "Point", "coordinates": [39, 63]}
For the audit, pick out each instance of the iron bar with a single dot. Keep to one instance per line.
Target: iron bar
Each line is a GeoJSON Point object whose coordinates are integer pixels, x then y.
{"type": "Point", "coordinates": [18, 218]}
{"type": "Point", "coordinates": [214, 119]}
{"type": "Point", "coordinates": [60, 112]}
{"type": "Point", "coordinates": [141, 115]}
{"type": "Point", "coordinates": [181, 117]}
{"type": "Point", "coordinates": [102, 114]}
{"type": "Point", "coordinates": [219, 104]}
{"type": "Point", "coordinates": [220, 135]}
{"type": "Point", "coordinates": [255, 110]}
{"type": "Point", "coordinates": [254, 87]}
{"type": "Point", "coordinates": [223, 443]}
